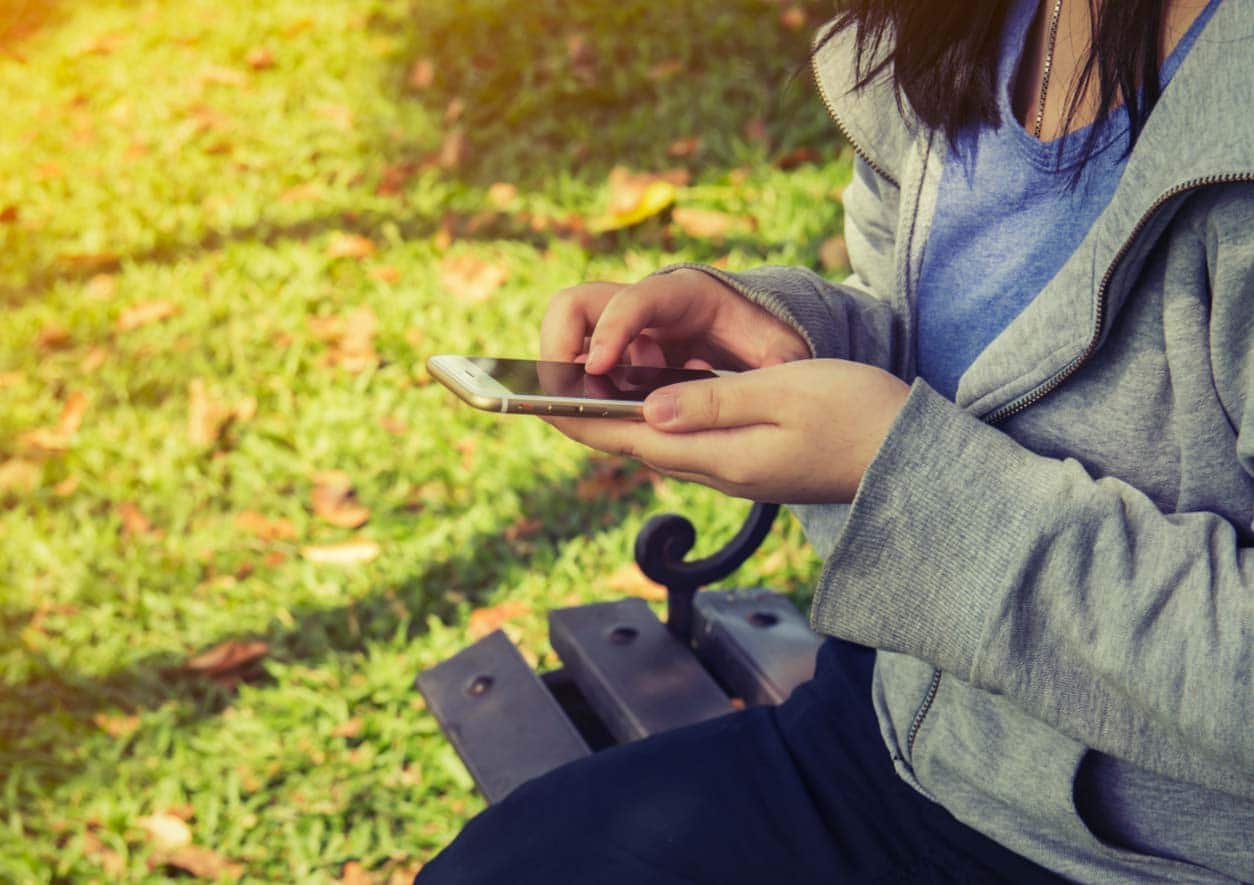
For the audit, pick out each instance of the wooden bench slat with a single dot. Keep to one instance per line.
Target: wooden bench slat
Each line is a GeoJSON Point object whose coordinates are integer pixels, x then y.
{"type": "Point", "coordinates": [635, 674]}
{"type": "Point", "coordinates": [755, 641]}
{"type": "Point", "coordinates": [499, 716]}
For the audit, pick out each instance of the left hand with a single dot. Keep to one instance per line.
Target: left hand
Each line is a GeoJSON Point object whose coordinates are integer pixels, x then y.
{"type": "Point", "coordinates": [798, 433]}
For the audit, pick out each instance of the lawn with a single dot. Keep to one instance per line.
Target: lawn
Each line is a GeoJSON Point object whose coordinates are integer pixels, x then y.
{"type": "Point", "coordinates": [236, 516]}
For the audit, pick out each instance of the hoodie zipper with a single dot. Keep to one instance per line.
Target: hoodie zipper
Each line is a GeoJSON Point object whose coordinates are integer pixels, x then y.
{"type": "Point", "coordinates": [840, 125]}
{"type": "Point", "coordinates": [1041, 391]}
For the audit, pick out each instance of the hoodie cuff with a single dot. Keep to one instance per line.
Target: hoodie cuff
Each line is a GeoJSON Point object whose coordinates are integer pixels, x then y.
{"type": "Point", "coordinates": [787, 294]}
{"type": "Point", "coordinates": [934, 538]}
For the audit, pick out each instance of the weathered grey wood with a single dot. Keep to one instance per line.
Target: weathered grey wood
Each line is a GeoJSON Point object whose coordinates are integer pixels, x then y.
{"type": "Point", "coordinates": [637, 676]}
{"type": "Point", "coordinates": [755, 642]}
{"type": "Point", "coordinates": [499, 716]}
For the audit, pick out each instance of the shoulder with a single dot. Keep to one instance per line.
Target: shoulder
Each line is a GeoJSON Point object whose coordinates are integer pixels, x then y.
{"type": "Point", "coordinates": [874, 118]}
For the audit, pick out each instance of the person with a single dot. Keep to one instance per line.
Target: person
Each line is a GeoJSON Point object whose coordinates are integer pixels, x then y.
{"type": "Point", "coordinates": [1036, 392]}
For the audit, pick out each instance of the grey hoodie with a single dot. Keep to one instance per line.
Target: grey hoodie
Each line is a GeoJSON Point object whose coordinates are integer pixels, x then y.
{"type": "Point", "coordinates": [1058, 568]}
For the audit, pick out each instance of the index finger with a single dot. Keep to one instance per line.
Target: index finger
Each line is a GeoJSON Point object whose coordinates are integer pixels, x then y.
{"type": "Point", "coordinates": [571, 316]}
{"type": "Point", "coordinates": [653, 302]}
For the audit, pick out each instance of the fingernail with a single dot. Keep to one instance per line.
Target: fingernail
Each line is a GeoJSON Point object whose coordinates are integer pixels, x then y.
{"type": "Point", "coordinates": [595, 353]}
{"type": "Point", "coordinates": [661, 408]}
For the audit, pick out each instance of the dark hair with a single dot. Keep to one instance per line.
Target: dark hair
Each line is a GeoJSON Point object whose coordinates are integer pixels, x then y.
{"type": "Point", "coordinates": [943, 58]}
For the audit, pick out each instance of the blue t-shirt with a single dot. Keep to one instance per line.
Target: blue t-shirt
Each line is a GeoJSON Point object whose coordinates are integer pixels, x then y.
{"type": "Point", "coordinates": [1006, 219]}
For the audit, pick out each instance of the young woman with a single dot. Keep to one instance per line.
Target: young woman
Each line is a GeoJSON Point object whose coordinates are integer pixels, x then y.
{"type": "Point", "coordinates": [1037, 393]}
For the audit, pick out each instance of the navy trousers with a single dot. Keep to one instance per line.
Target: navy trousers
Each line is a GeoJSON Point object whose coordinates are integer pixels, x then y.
{"type": "Point", "coordinates": [796, 794]}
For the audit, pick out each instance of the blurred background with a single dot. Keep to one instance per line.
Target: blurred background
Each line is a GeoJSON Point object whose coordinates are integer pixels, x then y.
{"type": "Point", "coordinates": [236, 517]}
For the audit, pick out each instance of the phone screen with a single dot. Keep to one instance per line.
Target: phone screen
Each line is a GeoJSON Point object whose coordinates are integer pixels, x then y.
{"type": "Point", "coordinates": [539, 378]}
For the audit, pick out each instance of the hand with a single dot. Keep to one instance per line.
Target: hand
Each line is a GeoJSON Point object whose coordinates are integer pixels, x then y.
{"type": "Point", "coordinates": [682, 318]}
{"type": "Point", "coordinates": [798, 433]}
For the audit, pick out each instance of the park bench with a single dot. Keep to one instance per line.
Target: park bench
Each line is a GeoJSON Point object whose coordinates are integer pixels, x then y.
{"type": "Point", "coordinates": [625, 674]}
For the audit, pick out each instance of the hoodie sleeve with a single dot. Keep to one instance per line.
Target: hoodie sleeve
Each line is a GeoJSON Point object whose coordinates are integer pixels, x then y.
{"type": "Point", "coordinates": [853, 320]}
{"type": "Point", "coordinates": [1125, 627]}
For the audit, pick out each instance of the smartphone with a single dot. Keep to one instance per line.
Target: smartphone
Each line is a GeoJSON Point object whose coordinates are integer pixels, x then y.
{"type": "Point", "coordinates": [537, 387]}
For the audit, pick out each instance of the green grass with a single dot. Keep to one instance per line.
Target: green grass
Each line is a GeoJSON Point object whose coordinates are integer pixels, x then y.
{"type": "Point", "coordinates": [152, 154]}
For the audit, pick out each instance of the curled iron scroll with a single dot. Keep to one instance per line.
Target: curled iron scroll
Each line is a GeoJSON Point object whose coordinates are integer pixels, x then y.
{"type": "Point", "coordinates": [666, 539]}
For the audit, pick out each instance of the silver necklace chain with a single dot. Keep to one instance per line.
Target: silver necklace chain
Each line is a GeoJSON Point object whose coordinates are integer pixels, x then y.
{"type": "Point", "coordinates": [1049, 64]}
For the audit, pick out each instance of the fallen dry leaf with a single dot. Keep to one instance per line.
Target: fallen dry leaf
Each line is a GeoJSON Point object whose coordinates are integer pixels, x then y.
{"type": "Point", "coordinates": [421, 75]}
{"type": "Point", "coordinates": [345, 553]}
{"type": "Point", "coordinates": [166, 831]}
{"type": "Point", "coordinates": [394, 178]}
{"type": "Point", "coordinates": [259, 58]}
{"type": "Point", "coordinates": [833, 254]}
{"type": "Point", "coordinates": [684, 147]}
{"type": "Point", "coordinates": [308, 192]}
{"type": "Point", "coordinates": [133, 520]}
{"type": "Point", "coordinates": [19, 477]}
{"type": "Point", "coordinates": [502, 194]}
{"type": "Point", "coordinates": [386, 273]}
{"type": "Point", "coordinates": [471, 279]}
{"type": "Point", "coordinates": [350, 339]}
{"type": "Point", "coordinates": [454, 111]}
{"type": "Point", "coordinates": [630, 580]}
{"type": "Point", "coordinates": [354, 872]}
{"type": "Point", "coordinates": [453, 149]}
{"type": "Point", "coordinates": [228, 656]}
{"type": "Point", "coordinates": [101, 287]}
{"type": "Point", "coordinates": [349, 728]}
{"type": "Point", "coordinates": [118, 726]}
{"type": "Point", "coordinates": [11, 379]}
{"type": "Point", "coordinates": [341, 116]}
{"type": "Point", "coordinates": [208, 418]}
{"type": "Point", "coordinates": [345, 245]}
{"type": "Point", "coordinates": [637, 196]}
{"type": "Point", "coordinates": [199, 861]}
{"type": "Point", "coordinates": [582, 57]}
{"type": "Point", "coordinates": [66, 487]}
{"type": "Point", "coordinates": [113, 863]}
{"type": "Point", "coordinates": [489, 618]}
{"type": "Point", "coordinates": [798, 156]}
{"type": "Point", "coordinates": [335, 501]}
{"type": "Point", "coordinates": [793, 18]}
{"type": "Point", "coordinates": [91, 262]}
{"type": "Point", "coordinates": [53, 338]}
{"type": "Point", "coordinates": [264, 527]}
{"type": "Point", "coordinates": [9, 214]}
{"type": "Point", "coordinates": [93, 360]}
{"type": "Point", "coordinates": [57, 438]}
{"type": "Point", "coordinates": [145, 313]}
{"type": "Point", "coordinates": [218, 75]}
{"type": "Point", "coordinates": [665, 69]}
{"type": "Point", "coordinates": [394, 426]}
{"type": "Point", "coordinates": [707, 224]}
{"type": "Point", "coordinates": [755, 130]}
{"type": "Point", "coordinates": [524, 527]}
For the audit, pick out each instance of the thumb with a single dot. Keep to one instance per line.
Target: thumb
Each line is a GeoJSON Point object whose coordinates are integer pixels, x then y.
{"type": "Point", "coordinates": [729, 401]}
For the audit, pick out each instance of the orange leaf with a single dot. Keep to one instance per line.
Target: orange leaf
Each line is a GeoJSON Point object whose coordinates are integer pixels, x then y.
{"type": "Point", "coordinates": [66, 487]}
{"type": "Point", "coordinates": [133, 520]}
{"type": "Point", "coordinates": [485, 620]}
{"type": "Point", "coordinates": [706, 224]}
{"type": "Point", "coordinates": [385, 273]}
{"type": "Point", "coordinates": [302, 193]}
{"type": "Point", "coordinates": [19, 476]}
{"type": "Point", "coordinates": [471, 279]}
{"type": "Point", "coordinates": [335, 501]}
{"type": "Point", "coordinates": [11, 379]}
{"type": "Point", "coordinates": [101, 287]}
{"type": "Point", "coordinates": [421, 75]}
{"type": "Point", "coordinates": [259, 58]}
{"type": "Point", "coordinates": [207, 418]}
{"type": "Point", "coordinates": [793, 18]}
{"type": "Point", "coordinates": [98, 262]}
{"type": "Point", "coordinates": [453, 149]}
{"type": "Point", "coordinates": [798, 156]}
{"type": "Point", "coordinates": [144, 313]}
{"type": "Point", "coordinates": [630, 580]}
{"type": "Point", "coordinates": [341, 116]}
{"type": "Point", "coordinates": [116, 726]}
{"type": "Point", "coordinates": [9, 214]}
{"type": "Point", "coordinates": [349, 728]}
{"type": "Point", "coordinates": [93, 360]}
{"type": "Point", "coordinates": [524, 527]}
{"type": "Point", "coordinates": [228, 656]}
{"type": "Point", "coordinates": [264, 527]}
{"type": "Point", "coordinates": [344, 245]}
{"type": "Point", "coordinates": [502, 194]}
{"type": "Point", "coordinates": [201, 862]}
{"type": "Point", "coordinates": [346, 553]}
{"type": "Point", "coordinates": [665, 69]}
{"type": "Point", "coordinates": [394, 426]}
{"type": "Point", "coordinates": [72, 413]}
{"type": "Point", "coordinates": [53, 338]}
{"type": "Point", "coordinates": [684, 147]}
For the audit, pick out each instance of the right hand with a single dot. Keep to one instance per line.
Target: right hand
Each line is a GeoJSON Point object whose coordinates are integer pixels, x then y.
{"type": "Point", "coordinates": [682, 318]}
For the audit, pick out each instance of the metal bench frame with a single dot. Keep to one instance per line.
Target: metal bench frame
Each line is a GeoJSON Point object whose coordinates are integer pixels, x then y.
{"type": "Point", "coordinates": [625, 675]}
